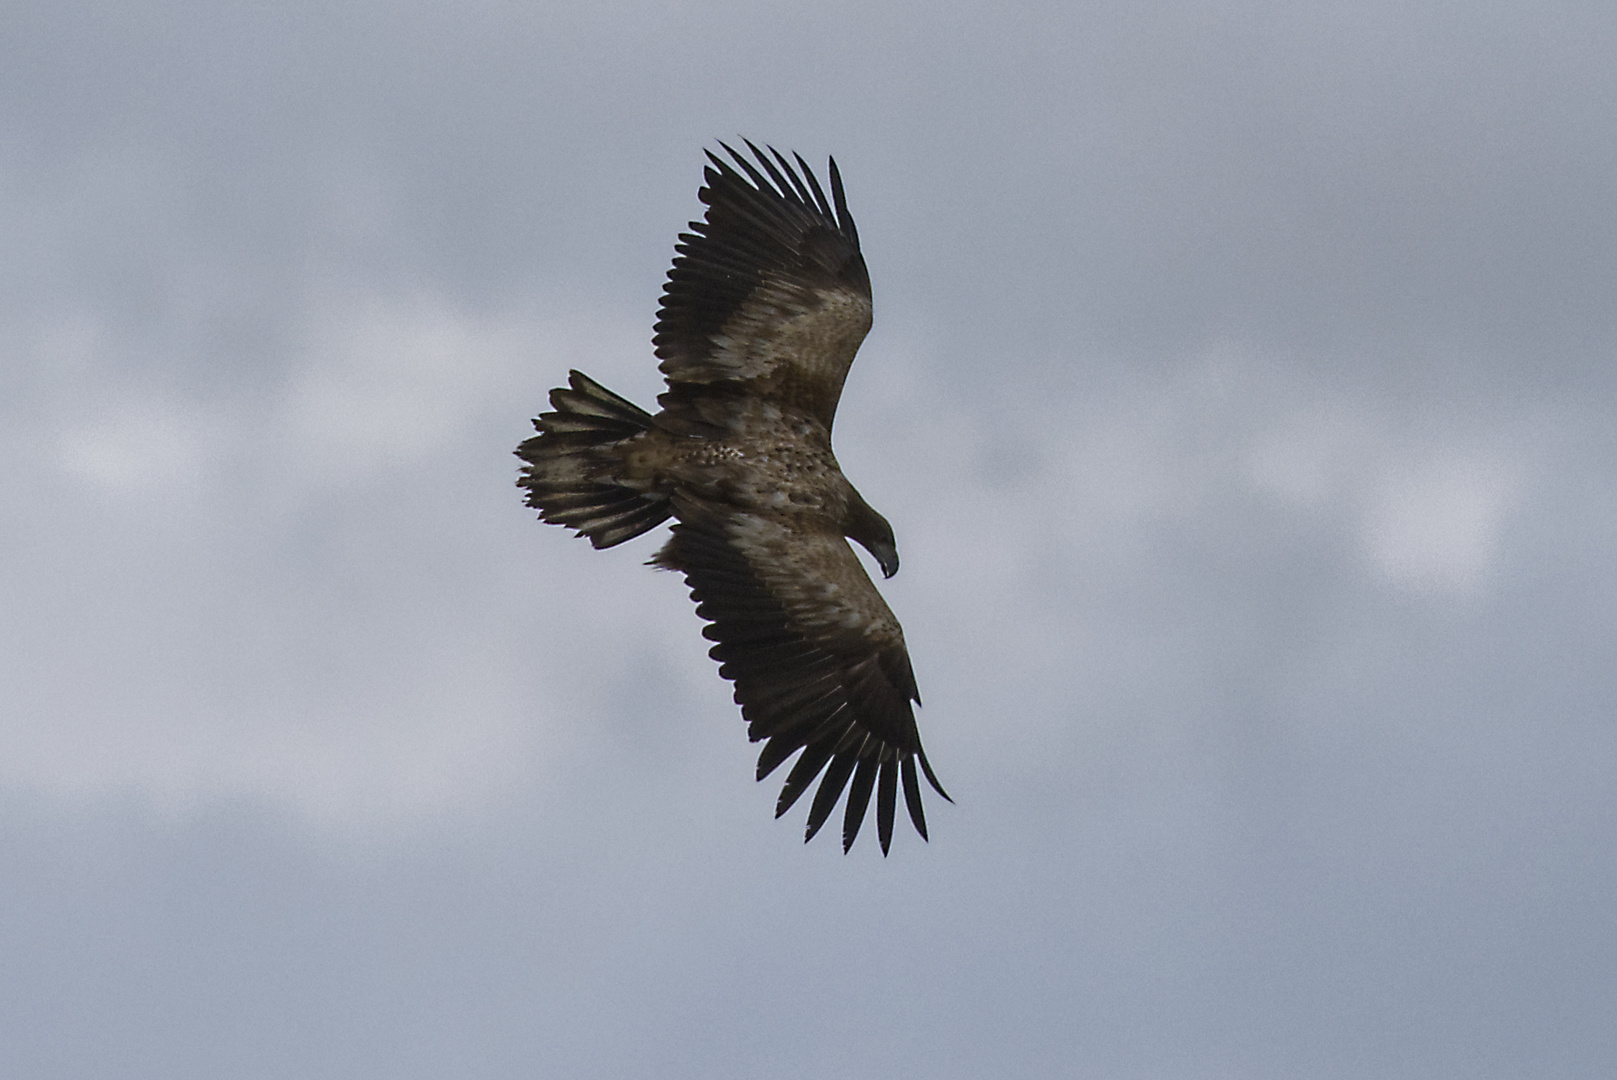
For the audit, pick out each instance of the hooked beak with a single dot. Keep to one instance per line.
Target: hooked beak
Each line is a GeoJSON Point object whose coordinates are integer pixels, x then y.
{"type": "Point", "coordinates": [886, 557]}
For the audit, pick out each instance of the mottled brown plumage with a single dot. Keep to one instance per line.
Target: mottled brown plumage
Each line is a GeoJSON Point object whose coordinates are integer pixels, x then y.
{"type": "Point", "coordinates": [766, 305]}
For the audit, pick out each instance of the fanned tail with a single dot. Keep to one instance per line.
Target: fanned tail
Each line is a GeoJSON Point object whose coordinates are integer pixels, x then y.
{"type": "Point", "coordinates": [573, 474]}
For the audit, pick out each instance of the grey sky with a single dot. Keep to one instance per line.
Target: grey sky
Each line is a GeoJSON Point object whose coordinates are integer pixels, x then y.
{"type": "Point", "coordinates": [1240, 392]}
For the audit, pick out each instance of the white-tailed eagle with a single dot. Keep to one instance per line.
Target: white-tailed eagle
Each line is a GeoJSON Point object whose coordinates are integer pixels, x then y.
{"type": "Point", "coordinates": [765, 306]}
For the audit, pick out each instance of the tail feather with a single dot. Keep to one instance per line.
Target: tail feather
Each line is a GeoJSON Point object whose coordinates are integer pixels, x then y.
{"type": "Point", "coordinates": [572, 471]}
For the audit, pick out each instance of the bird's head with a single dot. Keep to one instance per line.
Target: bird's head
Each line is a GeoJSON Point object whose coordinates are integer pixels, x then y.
{"type": "Point", "coordinates": [872, 531]}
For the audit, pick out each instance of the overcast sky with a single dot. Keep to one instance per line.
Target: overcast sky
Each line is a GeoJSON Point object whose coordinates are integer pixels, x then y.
{"type": "Point", "coordinates": [1241, 393]}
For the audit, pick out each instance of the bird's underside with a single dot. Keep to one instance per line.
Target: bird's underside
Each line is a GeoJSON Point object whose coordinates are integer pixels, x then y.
{"type": "Point", "coordinates": [765, 306]}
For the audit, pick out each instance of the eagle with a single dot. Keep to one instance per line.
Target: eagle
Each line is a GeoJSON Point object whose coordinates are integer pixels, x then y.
{"type": "Point", "coordinates": [765, 305]}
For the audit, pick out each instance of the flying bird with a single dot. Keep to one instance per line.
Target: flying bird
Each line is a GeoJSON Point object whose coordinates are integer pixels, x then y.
{"type": "Point", "coordinates": [766, 303]}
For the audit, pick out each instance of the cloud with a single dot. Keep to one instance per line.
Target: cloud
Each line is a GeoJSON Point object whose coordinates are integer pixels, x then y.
{"type": "Point", "coordinates": [381, 383]}
{"type": "Point", "coordinates": [270, 601]}
{"type": "Point", "coordinates": [1435, 523]}
{"type": "Point", "coordinates": [138, 449]}
{"type": "Point", "coordinates": [1426, 507]}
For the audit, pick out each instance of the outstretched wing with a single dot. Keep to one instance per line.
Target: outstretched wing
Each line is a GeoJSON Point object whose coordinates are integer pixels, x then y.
{"type": "Point", "coordinates": [817, 658]}
{"type": "Point", "coordinates": [768, 295]}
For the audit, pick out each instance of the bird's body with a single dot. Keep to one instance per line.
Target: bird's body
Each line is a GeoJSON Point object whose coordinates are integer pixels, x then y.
{"type": "Point", "coordinates": [765, 307]}
{"type": "Point", "coordinates": [759, 458]}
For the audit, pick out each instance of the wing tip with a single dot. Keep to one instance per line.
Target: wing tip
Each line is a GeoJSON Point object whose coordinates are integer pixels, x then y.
{"type": "Point", "coordinates": [883, 775]}
{"type": "Point", "coordinates": [931, 777]}
{"type": "Point", "coordinates": [800, 185]}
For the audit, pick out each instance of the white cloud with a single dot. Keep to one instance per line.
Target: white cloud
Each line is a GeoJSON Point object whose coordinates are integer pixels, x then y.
{"type": "Point", "coordinates": [1434, 523]}
{"type": "Point", "coordinates": [1308, 456]}
{"type": "Point", "coordinates": [383, 381]}
{"type": "Point", "coordinates": [192, 617]}
{"type": "Point", "coordinates": [1426, 507]}
{"type": "Point", "coordinates": [139, 448]}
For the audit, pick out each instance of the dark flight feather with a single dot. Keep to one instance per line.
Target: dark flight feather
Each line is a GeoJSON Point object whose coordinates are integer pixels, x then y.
{"type": "Point", "coordinates": [886, 799]}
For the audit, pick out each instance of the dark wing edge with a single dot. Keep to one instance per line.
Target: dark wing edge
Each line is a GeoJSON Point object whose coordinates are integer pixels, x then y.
{"type": "Point", "coordinates": [768, 290]}
{"type": "Point", "coordinates": [843, 701]}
